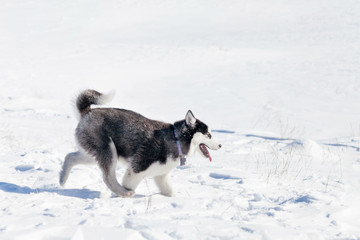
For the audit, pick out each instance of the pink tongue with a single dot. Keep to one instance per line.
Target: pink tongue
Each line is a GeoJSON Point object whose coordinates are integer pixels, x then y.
{"type": "Point", "coordinates": [207, 151]}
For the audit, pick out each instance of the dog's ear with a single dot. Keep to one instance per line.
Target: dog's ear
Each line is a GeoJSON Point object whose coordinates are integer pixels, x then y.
{"type": "Point", "coordinates": [190, 119]}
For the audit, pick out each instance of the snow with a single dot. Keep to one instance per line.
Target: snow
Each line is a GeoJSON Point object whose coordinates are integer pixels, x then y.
{"type": "Point", "coordinates": [277, 81]}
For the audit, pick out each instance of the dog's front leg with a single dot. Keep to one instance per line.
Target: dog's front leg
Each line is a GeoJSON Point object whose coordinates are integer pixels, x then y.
{"type": "Point", "coordinates": [131, 180]}
{"type": "Point", "coordinates": [164, 184]}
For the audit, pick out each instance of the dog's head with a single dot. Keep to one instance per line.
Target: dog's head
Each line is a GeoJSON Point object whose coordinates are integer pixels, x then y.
{"type": "Point", "coordinates": [198, 135]}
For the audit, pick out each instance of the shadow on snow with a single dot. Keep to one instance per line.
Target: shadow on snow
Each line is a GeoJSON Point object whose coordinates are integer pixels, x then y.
{"type": "Point", "coordinates": [78, 193]}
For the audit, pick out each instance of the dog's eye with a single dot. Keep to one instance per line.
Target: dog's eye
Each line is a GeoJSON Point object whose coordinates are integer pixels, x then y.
{"type": "Point", "coordinates": [208, 135]}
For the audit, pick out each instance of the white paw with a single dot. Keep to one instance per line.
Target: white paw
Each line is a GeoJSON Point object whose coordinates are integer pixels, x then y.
{"type": "Point", "coordinates": [168, 194]}
{"type": "Point", "coordinates": [129, 194]}
{"type": "Point", "coordinates": [126, 194]}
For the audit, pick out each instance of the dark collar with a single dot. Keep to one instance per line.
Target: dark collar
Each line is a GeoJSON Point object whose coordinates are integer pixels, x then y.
{"type": "Point", "coordinates": [182, 157]}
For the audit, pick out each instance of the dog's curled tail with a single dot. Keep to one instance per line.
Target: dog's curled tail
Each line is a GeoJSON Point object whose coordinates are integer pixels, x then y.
{"type": "Point", "coordinates": [89, 97]}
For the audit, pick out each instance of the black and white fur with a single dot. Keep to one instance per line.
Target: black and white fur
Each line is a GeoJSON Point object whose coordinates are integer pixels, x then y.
{"type": "Point", "coordinates": [147, 147]}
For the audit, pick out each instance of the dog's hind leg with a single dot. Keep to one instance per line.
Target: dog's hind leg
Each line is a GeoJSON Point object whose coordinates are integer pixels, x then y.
{"type": "Point", "coordinates": [71, 160]}
{"type": "Point", "coordinates": [67, 166]}
{"type": "Point", "coordinates": [108, 161]}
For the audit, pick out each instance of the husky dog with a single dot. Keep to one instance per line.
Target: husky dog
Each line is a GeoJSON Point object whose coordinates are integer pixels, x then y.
{"type": "Point", "coordinates": [147, 147]}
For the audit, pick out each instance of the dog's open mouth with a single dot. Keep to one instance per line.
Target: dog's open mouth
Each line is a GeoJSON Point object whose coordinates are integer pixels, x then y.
{"type": "Point", "coordinates": [205, 151]}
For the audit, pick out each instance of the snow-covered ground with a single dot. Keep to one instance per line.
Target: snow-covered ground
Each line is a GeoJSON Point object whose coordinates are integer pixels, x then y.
{"type": "Point", "coordinates": [278, 82]}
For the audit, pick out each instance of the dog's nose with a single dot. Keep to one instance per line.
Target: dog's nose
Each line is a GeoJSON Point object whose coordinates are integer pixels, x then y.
{"type": "Point", "coordinates": [219, 145]}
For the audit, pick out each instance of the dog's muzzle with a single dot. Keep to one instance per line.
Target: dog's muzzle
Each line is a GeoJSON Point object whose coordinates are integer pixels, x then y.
{"type": "Point", "coordinates": [205, 151]}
